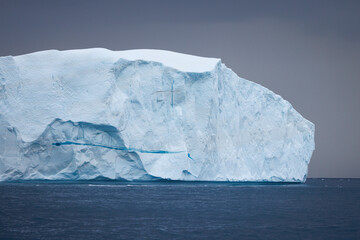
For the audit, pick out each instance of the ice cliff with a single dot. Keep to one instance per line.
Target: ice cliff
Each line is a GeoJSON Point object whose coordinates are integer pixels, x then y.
{"type": "Point", "coordinates": [144, 115]}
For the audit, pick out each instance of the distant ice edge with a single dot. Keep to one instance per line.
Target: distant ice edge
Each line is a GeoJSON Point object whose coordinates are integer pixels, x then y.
{"type": "Point", "coordinates": [88, 115]}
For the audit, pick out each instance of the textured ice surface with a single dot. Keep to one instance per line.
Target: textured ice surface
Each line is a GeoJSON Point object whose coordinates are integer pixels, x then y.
{"type": "Point", "coordinates": [143, 115]}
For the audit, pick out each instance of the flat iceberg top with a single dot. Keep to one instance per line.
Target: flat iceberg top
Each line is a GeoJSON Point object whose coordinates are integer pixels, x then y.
{"type": "Point", "coordinates": [179, 61]}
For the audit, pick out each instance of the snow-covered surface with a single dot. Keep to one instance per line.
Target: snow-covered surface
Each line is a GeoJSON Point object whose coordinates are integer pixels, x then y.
{"type": "Point", "coordinates": [143, 115]}
{"type": "Point", "coordinates": [179, 61]}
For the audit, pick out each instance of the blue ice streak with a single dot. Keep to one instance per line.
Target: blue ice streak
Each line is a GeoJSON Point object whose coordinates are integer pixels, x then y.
{"type": "Point", "coordinates": [118, 148]}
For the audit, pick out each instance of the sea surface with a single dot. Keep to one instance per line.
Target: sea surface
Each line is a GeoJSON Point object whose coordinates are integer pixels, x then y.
{"type": "Point", "coordinates": [318, 209]}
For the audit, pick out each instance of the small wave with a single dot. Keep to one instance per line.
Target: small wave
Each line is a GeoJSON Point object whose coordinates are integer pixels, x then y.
{"type": "Point", "coordinates": [104, 185]}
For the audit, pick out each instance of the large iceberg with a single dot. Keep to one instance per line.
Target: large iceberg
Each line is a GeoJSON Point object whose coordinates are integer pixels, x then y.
{"type": "Point", "coordinates": [144, 115]}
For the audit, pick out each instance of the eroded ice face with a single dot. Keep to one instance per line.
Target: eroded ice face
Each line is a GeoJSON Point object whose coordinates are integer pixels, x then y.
{"type": "Point", "coordinates": [144, 114]}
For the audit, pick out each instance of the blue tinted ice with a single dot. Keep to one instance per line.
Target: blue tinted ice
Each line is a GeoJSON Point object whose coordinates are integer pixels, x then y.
{"type": "Point", "coordinates": [144, 115]}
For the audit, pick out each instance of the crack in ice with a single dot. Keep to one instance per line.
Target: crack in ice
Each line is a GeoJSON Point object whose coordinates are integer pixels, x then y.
{"type": "Point", "coordinates": [117, 148]}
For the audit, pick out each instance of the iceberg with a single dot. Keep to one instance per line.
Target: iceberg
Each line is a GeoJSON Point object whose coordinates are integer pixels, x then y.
{"type": "Point", "coordinates": [144, 115]}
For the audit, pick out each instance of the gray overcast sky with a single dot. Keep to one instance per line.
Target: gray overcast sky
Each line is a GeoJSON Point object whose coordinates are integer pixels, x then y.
{"type": "Point", "coordinates": [306, 51]}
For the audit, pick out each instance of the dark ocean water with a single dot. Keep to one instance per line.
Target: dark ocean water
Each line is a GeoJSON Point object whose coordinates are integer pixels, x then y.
{"type": "Point", "coordinates": [319, 209]}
